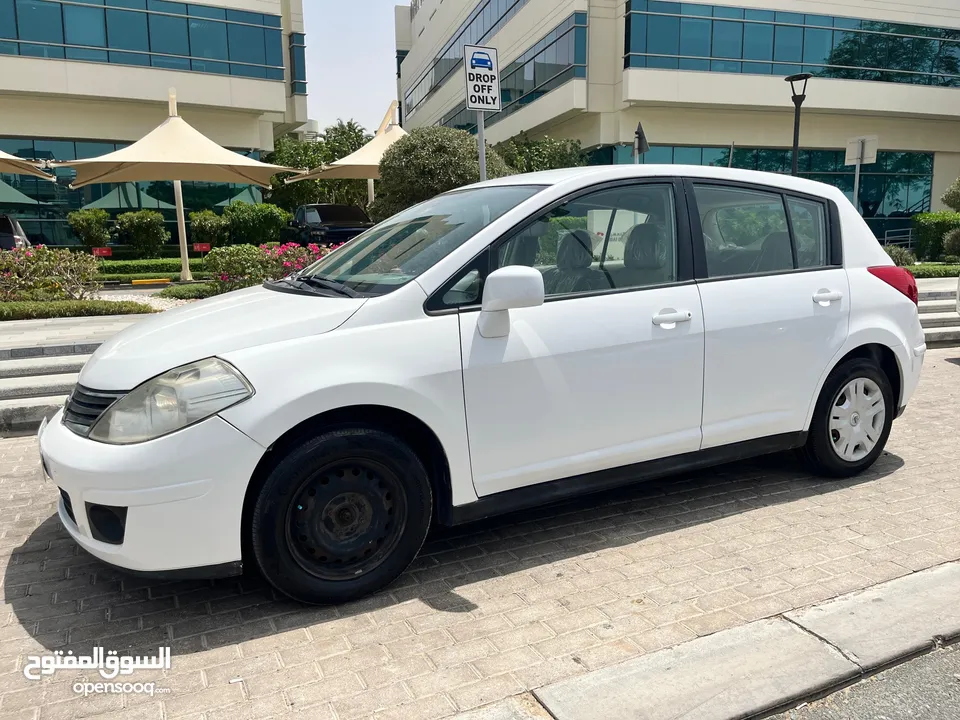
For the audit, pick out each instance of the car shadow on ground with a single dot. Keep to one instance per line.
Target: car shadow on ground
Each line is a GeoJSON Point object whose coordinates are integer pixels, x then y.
{"type": "Point", "coordinates": [66, 599]}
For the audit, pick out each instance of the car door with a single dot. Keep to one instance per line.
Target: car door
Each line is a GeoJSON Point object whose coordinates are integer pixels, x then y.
{"type": "Point", "coordinates": [776, 305]}
{"type": "Point", "coordinates": [608, 371]}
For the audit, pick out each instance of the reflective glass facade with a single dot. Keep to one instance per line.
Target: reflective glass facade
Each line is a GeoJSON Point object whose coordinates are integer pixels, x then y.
{"type": "Point", "coordinates": [892, 190]}
{"type": "Point", "coordinates": [298, 63]}
{"type": "Point", "coordinates": [558, 57]}
{"type": "Point", "coordinates": [157, 33]}
{"type": "Point", "coordinates": [687, 36]}
{"type": "Point", "coordinates": [484, 22]}
{"type": "Point", "coordinates": [42, 206]}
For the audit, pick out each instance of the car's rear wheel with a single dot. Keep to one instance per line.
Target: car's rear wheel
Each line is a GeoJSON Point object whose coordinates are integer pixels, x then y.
{"type": "Point", "coordinates": [341, 516]}
{"type": "Point", "coordinates": [852, 420]}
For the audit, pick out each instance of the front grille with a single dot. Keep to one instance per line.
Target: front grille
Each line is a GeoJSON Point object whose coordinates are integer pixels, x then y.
{"type": "Point", "coordinates": [85, 406]}
{"type": "Point", "coordinates": [338, 236]}
{"type": "Point", "coordinates": [67, 505]}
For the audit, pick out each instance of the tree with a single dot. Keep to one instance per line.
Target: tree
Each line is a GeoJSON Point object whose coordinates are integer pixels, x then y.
{"type": "Point", "coordinates": [336, 142]}
{"type": "Point", "coordinates": [427, 162]}
{"type": "Point", "coordinates": [90, 226]}
{"type": "Point", "coordinates": [526, 155]}
{"type": "Point", "coordinates": [951, 198]}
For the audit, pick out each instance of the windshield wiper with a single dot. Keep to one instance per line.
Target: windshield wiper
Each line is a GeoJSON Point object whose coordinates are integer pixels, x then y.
{"type": "Point", "coordinates": [329, 285]}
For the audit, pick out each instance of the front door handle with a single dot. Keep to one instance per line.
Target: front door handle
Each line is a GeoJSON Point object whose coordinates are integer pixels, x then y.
{"type": "Point", "coordinates": [825, 297]}
{"type": "Point", "coordinates": [669, 317]}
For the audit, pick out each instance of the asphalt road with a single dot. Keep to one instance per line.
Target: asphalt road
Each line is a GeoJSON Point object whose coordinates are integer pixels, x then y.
{"type": "Point", "coordinates": [927, 688]}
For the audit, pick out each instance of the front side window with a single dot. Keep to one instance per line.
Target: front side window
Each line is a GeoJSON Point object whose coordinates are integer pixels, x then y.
{"type": "Point", "coordinates": [411, 242]}
{"type": "Point", "coordinates": [613, 239]}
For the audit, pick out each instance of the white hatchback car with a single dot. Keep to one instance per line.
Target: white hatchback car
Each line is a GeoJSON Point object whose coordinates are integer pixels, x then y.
{"type": "Point", "coordinates": [502, 346]}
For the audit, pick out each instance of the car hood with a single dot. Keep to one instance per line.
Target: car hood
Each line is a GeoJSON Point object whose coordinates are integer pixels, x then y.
{"type": "Point", "coordinates": [237, 320]}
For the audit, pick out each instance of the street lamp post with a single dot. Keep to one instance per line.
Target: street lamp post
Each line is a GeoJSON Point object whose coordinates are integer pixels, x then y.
{"type": "Point", "coordinates": [798, 98]}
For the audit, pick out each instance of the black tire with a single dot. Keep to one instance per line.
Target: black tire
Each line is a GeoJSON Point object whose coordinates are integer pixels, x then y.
{"type": "Point", "coordinates": [341, 516]}
{"type": "Point", "coordinates": [819, 452]}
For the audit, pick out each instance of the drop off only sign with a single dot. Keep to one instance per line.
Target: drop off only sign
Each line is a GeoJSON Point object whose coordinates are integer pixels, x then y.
{"type": "Point", "coordinates": [483, 78]}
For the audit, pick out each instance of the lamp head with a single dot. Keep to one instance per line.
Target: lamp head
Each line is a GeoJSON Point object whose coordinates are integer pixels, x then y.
{"type": "Point", "coordinates": [799, 77]}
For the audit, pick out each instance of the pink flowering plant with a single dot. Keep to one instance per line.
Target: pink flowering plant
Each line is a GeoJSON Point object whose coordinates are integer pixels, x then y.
{"type": "Point", "coordinates": [240, 266]}
{"type": "Point", "coordinates": [43, 273]}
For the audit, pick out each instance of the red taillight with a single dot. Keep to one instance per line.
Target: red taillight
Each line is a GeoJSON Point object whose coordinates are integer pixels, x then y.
{"type": "Point", "coordinates": [898, 278]}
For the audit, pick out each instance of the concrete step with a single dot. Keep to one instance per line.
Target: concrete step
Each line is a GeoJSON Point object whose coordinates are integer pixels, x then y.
{"type": "Point", "coordinates": [30, 367]}
{"type": "Point", "coordinates": [943, 319]}
{"type": "Point", "coordinates": [24, 415]}
{"type": "Point", "coordinates": [37, 386]}
{"type": "Point", "coordinates": [938, 295]}
{"type": "Point", "coordinates": [942, 336]}
{"type": "Point", "coordinates": [937, 306]}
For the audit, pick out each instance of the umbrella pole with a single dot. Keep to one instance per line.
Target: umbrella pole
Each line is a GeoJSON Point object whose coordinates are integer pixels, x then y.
{"type": "Point", "coordinates": [185, 275]}
{"type": "Point", "coordinates": [371, 195]}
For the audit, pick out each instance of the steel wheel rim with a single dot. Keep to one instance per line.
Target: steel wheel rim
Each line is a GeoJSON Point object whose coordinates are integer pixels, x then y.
{"type": "Point", "coordinates": [346, 519]}
{"type": "Point", "coordinates": [857, 416]}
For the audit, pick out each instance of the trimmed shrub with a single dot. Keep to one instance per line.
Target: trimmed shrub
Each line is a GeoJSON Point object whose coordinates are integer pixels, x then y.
{"type": "Point", "coordinates": [195, 291]}
{"type": "Point", "coordinates": [44, 273]}
{"type": "Point", "coordinates": [237, 266]}
{"type": "Point", "coordinates": [255, 224]}
{"type": "Point", "coordinates": [951, 198]}
{"type": "Point", "coordinates": [951, 242]}
{"type": "Point", "coordinates": [144, 231]}
{"type": "Point", "coordinates": [930, 229]}
{"type": "Point", "coordinates": [155, 265]}
{"type": "Point", "coordinates": [128, 277]}
{"type": "Point", "coordinates": [935, 271]}
{"type": "Point", "coordinates": [900, 256]}
{"type": "Point", "coordinates": [69, 308]}
{"type": "Point", "coordinates": [90, 226]}
{"type": "Point", "coordinates": [951, 259]}
{"type": "Point", "coordinates": [208, 227]}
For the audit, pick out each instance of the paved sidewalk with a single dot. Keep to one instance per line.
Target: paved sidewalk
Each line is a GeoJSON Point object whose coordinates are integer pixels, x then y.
{"type": "Point", "coordinates": [62, 331]}
{"type": "Point", "coordinates": [937, 284]}
{"type": "Point", "coordinates": [491, 610]}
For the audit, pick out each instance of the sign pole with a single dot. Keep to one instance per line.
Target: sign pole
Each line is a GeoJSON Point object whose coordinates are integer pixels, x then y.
{"type": "Point", "coordinates": [856, 175]}
{"type": "Point", "coordinates": [481, 146]}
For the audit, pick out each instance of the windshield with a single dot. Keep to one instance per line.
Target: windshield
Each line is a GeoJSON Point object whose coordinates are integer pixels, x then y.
{"type": "Point", "coordinates": [336, 213]}
{"type": "Point", "coordinates": [411, 242]}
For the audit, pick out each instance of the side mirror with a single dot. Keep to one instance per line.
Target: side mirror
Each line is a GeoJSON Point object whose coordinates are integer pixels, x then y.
{"type": "Point", "coordinates": [506, 289]}
{"type": "Point", "coordinates": [292, 223]}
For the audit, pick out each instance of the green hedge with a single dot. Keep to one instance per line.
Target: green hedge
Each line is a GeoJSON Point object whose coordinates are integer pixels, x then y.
{"type": "Point", "coordinates": [935, 271]}
{"type": "Point", "coordinates": [137, 267]}
{"type": "Point", "coordinates": [194, 291]}
{"type": "Point", "coordinates": [69, 308]}
{"type": "Point", "coordinates": [930, 229]}
{"type": "Point", "coordinates": [130, 277]}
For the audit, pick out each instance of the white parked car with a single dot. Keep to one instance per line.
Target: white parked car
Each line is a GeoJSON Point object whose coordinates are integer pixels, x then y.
{"type": "Point", "coordinates": [477, 354]}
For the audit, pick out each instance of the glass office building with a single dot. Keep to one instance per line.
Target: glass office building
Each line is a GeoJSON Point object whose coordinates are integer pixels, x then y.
{"type": "Point", "coordinates": [87, 77]}
{"type": "Point", "coordinates": [705, 80]}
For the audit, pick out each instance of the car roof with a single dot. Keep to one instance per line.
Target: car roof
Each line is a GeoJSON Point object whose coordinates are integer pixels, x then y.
{"type": "Point", "coordinates": [603, 173]}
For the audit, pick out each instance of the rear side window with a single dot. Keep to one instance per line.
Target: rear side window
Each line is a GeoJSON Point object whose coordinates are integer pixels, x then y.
{"type": "Point", "coordinates": [754, 232]}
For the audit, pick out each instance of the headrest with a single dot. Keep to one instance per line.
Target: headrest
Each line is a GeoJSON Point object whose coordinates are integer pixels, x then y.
{"type": "Point", "coordinates": [575, 251]}
{"type": "Point", "coordinates": [644, 248]}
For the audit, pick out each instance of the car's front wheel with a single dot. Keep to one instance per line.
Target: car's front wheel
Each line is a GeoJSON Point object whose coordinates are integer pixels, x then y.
{"type": "Point", "coordinates": [852, 420]}
{"type": "Point", "coordinates": [341, 516]}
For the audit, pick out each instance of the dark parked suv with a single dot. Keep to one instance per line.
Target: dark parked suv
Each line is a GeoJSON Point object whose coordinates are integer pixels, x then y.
{"type": "Point", "coordinates": [11, 234]}
{"type": "Point", "coordinates": [325, 224]}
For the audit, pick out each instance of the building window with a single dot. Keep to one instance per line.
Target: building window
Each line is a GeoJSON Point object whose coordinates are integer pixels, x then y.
{"type": "Point", "coordinates": [298, 63]}
{"type": "Point", "coordinates": [892, 190]}
{"type": "Point", "coordinates": [175, 35]}
{"type": "Point", "coordinates": [484, 22]}
{"type": "Point", "coordinates": [557, 58]}
{"type": "Point", "coordinates": [691, 36]}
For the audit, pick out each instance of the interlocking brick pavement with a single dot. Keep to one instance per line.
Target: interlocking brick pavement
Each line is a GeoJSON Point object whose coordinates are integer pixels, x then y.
{"type": "Point", "coordinates": [489, 610]}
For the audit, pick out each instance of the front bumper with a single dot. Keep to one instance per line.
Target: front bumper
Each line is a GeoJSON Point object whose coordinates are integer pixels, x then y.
{"type": "Point", "coordinates": [183, 494]}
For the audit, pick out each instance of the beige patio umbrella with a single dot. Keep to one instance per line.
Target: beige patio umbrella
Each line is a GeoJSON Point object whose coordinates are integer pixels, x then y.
{"type": "Point", "coordinates": [173, 151]}
{"type": "Point", "coordinates": [12, 164]}
{"type": "Point", "coordinates": [364, 164]}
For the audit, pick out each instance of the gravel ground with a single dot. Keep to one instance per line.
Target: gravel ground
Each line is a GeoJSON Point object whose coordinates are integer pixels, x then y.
{"type": "Point", "coordinates": [151, 300]}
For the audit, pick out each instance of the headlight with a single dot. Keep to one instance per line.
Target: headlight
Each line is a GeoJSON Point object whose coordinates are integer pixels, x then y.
{"type": "Point", "coordinates": [178, 398]}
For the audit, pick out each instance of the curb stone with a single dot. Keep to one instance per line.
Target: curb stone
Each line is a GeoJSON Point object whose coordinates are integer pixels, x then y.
{"type": "Point", "coordinates": [763, 666]}
{"type": "Point", "coordinates": [48, 350]}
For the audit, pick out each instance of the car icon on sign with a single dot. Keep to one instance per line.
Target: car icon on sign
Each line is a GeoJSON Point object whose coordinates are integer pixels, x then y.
{"type": "Point", "coordinates": [481, 60]}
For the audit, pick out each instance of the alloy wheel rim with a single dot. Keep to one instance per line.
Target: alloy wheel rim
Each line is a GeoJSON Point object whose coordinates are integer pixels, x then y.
{"type": "Point", "coordinates": [857, 416]}
{"type": "Point", "coordinates": [346, 519]}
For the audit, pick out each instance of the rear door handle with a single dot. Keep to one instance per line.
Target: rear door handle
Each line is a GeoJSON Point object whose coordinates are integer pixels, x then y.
{"type": "Point", "coordinates": [825, 297]}
{"type": "Point", "coordinates": [669, 317]}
